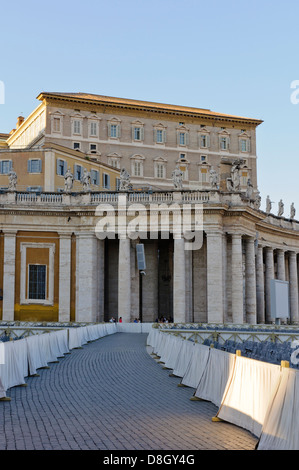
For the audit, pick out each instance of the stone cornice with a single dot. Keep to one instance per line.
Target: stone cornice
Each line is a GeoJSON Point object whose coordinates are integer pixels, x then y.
{"type": "Point", "coordinates": [135, 105]}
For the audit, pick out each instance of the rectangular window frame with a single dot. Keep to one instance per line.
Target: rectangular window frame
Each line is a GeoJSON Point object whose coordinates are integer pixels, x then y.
{"type": "Point", "coordinates": [5, 166]}
{"type": "Point", "coordinates": [41, 293]}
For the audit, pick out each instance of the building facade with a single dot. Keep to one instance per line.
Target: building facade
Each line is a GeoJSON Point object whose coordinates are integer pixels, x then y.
{"type": "Point", "coordinates": [148, 139]}
{"type": "Point", "coordinates": [71, 255]}
{"type": "Point", "coordinates": [44, 169]}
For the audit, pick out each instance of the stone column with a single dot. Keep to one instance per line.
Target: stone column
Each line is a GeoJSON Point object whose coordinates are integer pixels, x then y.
{"type": "Point", "coordinates": [224, 276]}
{"type": "Point", "coordinates": [101, 279]}
{"type": "Point", "coordinates": [189, 283]}
{"type": "Point", "coordinates": [237, 279]}
{"type": "Point", "coordinates": [8, 305]}
{"type": "Point", "coordinates": [64, 277]}
{"type": "Point", "coordinates": [179, 281]}
{"type": "Point", "coordinates": [293, 276]}
{"type": "Point", "coordinates": [269, 274]}
{"type": "Point", "coordinates": [260, 287]}
{"type": "Point", "coordinates": [250, 281]}
{"type": "Point", "coordinates": [280, 265]}
{"type": "Point", "coordinates": [124, 279]}
{"type": "Point", "coordinates": [214, 277]}
{"type": "Point", "coordinates": [86, 277]}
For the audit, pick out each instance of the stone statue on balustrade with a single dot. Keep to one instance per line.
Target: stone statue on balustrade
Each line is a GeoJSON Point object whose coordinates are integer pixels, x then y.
{"type": "Point", "coordinates": [86, 180]}
{"type": "Point", "coordinates": [292, 211]}
{"type": "Point", "coordinates": [12, 180]}
{"type": "Point", "coordinates": [125, 183]}
{"type": "Point", "coordinates": [233, 183]}
{"type": "Point", "coordinates": [214, 179]}
{"type": "Point", "coordinates": [177, 177]}
{"type": "Point", "coordinates": [249, 189]}
{"type": "Point", "coordinates": [257, 200]}
{"type": "Point", "coordinates": [68, 181]}
{"type": "Point", "coordinates": [280, 208]}
{"type": "Point", "coordinates": [268, 205]}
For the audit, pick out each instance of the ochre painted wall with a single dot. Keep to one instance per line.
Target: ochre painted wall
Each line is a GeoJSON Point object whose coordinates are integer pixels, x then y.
{"type": "Point", "coordinates": [33, 312]}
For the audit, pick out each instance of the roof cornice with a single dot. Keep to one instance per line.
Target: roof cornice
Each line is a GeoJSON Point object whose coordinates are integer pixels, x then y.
{"type": "Point", "coordinates": [107, 101]}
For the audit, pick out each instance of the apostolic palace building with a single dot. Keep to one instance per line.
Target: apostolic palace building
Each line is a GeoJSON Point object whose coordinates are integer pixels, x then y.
{"type": "Point", "coordinates": [88, 180]}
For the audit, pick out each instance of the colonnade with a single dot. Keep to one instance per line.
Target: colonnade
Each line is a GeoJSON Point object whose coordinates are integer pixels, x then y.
{"type": "Point", "coordinates": [238, 271]}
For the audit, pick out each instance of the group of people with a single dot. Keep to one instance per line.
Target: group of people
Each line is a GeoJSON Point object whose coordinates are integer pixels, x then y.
{"type": "Point", "coordinates": [113, 320]}
{"type": "Point", "coordinates": [164, 320]}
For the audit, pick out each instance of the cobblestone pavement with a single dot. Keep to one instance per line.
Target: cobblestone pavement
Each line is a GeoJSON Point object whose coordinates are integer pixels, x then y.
{"type": "Point", "coordinates": [112, 395]}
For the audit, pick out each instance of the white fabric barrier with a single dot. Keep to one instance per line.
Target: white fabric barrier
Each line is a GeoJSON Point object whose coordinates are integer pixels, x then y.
{"type": "Point", "coordinates": [165, 347]}
{"type": "Point", "coordinates": [24, 356]}
{"type": "Point", "coordinates": [281, 424]}
{"type": "Point", "coordinates": [183, 358]}
{"type": "Point", "coordinates": [169, 351]}
{"type": "Point", "coordinates": [134, 327]}
{"type": "Point", "coordinates": [248, 393]}
{"type": "Point", "coordinates": [159, 343]}
{"type": "Point", "coordinates": [173, 358]}
{"type": "Point", "coordinates": [196, 366]}
{"type": "Point", "coordinates": [36, 354]}
{"type": "Point", "coordinates": [12, 370]}
{"type": "Point", "coordinates": [152, 337]}
{"type": "Point", "coordinates": [215, 377]}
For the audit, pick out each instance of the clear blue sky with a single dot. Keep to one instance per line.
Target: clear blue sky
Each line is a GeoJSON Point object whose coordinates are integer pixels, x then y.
{"type": "Point", "coordinates": [234, 57]}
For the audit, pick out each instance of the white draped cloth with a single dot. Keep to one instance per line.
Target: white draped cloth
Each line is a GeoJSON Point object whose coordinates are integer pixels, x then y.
{"type": "Point", "coordinates": [36, 354]}
{"type": "Point", "coordinates": [281, 425]}
{"type": "Point", "coordinates": [183, 358]}
{"type": "Point", "coordinates": [173, 357]}
{"type": "Point", "coordinates": [248, 393]}
{"type": "Point", "coordinates": [12, 370]}
{"type": "Point", "coordinates": [196, 366]}
{"type": "Point", "coordinates": [215, 377]}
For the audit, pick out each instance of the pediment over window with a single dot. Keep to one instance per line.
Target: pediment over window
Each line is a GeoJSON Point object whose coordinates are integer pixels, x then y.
{"type": "Point", "coordinates": [137, 157]}
{"type": "Point", "coordinates": [224, 133]}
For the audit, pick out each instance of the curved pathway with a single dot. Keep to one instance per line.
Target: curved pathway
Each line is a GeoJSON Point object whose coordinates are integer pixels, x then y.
{"type": "Point", "coordinates": [112, 395]}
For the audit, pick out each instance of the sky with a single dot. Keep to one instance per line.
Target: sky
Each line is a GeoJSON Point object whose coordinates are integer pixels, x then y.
{"type": "Point", "coordinates": [235, 57]}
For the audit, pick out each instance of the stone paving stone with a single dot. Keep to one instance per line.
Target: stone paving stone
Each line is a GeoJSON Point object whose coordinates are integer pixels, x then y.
{"type": "Point", "coordinates": [112, 395]}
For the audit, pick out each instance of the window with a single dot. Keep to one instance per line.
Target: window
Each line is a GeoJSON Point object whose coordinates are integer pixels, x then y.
{"type": "Point", "coordinates": [93, 129]}
{"type": "Point", "coordinates": [159, 138]}
{"type": "Point", "coordinates": [244, 178]}
{"type": "Point", "coordinates": [182, 138]}
{"type": "Point", "coordinates": [182, 156]}
{"type": "Point", "coordinates": [78, 172]}
{"type": "Point", "coordinates": [95, 177]}
{"type": "Point", "coordinates": [106, 181]}
{"type": "Point", "coordinates": [137, 166]}
{"type": "Point", "coordinates": [137, 133]}
{"type": "Point", "coordinates": [203, 175]}
{"type": "Point", "coordinates": [113, 132]}
{"type": "Point", "coordinates": [160, 134]}
{"type": "Point", "coordinates": [5, 166]}
{"type": "Point", "coordinates": [204, 141]}
{"type": "Point", "coordinates": [114, 129]}
{"type": "Point", "coordinates": [37, 281]}
{"type": "Point", "coordinates": [244, 145]}
{"type": "Point", "coordinates": [61, 167]}
{"type": "Point", "coordinates": [76, 145]}
{"type": "Point", "coordinates": [203, 158]}
{"type": "Point", "coordinates": [34, 166]}
{"type": "Point", "coordinates": [160, 170]}
{"type": "Point", "coordinates": [224, 143]}
{"type": "Point", "coordinates": [76, 127]}
{"type": "Point", "coordinates": [56, 124]}
{"type": "Point", "coordinates": [93, 148]}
